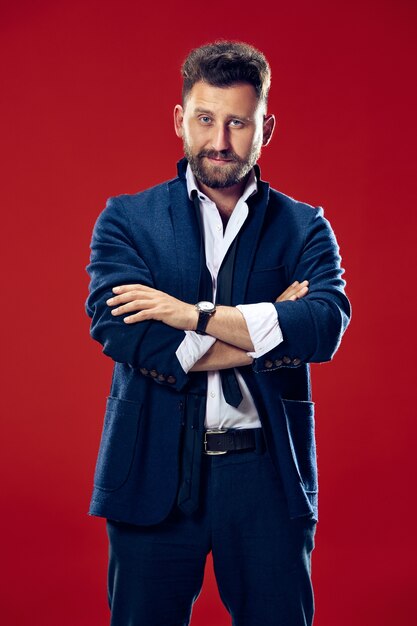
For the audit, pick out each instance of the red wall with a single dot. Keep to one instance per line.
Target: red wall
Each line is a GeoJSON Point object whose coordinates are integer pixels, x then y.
{"type": "Point", "coordinates": [88, 89]}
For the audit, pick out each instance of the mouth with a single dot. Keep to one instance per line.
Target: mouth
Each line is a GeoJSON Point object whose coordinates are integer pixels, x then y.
{"type": "Point", "coordinates": [219, 161]}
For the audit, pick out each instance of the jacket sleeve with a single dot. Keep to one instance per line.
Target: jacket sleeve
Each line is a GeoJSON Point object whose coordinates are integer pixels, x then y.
{"type": "Point", "coordinates": [150, 345]}
{"type": "Point", "coordinates": [313, 326]}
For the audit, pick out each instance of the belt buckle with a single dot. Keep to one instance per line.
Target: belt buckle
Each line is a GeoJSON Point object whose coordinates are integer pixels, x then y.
{"type": "Point", "coordinates": [214, 431]}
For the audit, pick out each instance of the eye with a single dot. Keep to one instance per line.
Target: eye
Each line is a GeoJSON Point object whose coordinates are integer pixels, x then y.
{"type": "Point", "coordinates": [205, 119]}
{"type": "Point", "coordinates": [236, 123]}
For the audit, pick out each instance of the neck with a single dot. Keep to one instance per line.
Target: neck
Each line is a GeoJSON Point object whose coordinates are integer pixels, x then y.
{"type": "Point", "coordinates": [224, 198]}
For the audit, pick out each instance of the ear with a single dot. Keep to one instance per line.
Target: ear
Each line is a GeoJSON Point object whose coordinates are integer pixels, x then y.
{"type": "Point", "coordinates": [178, 120]}
{"type": "Point", "coordinates": [268, 129]}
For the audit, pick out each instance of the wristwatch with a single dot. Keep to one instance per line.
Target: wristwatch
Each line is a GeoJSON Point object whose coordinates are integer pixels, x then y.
{"type": "Point", "coordinates": [205, 311]}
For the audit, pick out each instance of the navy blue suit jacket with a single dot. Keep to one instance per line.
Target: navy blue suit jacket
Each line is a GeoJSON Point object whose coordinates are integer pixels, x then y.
{"type": "Point", "coordinates": [152, 238]}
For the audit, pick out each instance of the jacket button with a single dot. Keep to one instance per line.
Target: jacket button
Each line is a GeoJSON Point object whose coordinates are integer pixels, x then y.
{"type": "Point", "coordinates": [171, 380]}
{"type": "Point", "coordinates": [286, 360]}
{"type": "Point", "coordinates": [268, 364]}
{"type": "Point", "coordinates": [161, 378]}
{"type": "Point", "coordinates": [278, 362]}
{"type": "Point", "coordinates": [144, 371]}
{"type": "Point", "coordinates": [153, 373]}
{"type": "Point", "coordinates": [296, 361]}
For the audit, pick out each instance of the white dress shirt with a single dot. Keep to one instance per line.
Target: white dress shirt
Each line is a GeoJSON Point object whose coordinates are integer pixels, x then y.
{"type": "Point", "coordinates": [261, 319]}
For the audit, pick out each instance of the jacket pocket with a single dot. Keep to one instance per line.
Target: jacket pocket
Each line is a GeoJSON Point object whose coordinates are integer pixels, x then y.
{"type": "Point", "coordinates": [301, 432]}
{"type": "Point", "coordinates": [265, 285]}
{"type": "Point", "coordinates": [118, 442]}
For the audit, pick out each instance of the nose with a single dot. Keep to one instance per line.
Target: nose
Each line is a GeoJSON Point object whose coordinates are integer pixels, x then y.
{"type": "Point", "coordinates": [220, 139]}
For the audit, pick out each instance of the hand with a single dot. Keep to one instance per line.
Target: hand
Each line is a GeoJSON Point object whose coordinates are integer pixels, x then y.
{"type": "Point", "coordinates": [294, 291]}
{"type": "Point", "coordinates": [152, 304]}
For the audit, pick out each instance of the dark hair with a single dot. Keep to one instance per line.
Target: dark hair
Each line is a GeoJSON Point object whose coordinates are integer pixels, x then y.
{"type": "Point", "coordinates": [224, 63]}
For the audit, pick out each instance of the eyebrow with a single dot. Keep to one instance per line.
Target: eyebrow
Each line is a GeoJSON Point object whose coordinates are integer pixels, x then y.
{"type": "Point", "coordinates": [200, 110]}
{"type": "Point", "coordinates": [230, 115]}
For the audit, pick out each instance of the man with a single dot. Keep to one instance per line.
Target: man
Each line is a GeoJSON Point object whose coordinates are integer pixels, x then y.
{"type": "Point", "coordinates": [208, 440]}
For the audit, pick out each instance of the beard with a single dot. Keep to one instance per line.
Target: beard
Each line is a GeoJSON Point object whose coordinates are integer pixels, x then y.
{"type": "Point", "coordinates": [220, 177]}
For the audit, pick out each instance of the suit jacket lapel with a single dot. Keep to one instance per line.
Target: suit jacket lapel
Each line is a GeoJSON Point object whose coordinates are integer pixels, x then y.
{"type": "Point", "coordinates": [187, 239]}
{"type": "Point", "coordinates": [248, 240]}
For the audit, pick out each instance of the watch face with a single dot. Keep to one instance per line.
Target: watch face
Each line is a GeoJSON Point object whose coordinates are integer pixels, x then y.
{"type": "Point", "coordinates": [205, 306]}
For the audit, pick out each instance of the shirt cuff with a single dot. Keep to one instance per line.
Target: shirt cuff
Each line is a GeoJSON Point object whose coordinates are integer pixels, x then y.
{"type": "Point", "coordinates": [263, 326]}
{"type": "Point", "coordinates": [192, 348]}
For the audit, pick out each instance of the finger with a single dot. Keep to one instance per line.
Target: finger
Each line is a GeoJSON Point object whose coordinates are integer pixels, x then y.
{"type": "Point", "coordinates": [299, 294]}
{"type": "Point", "coordinates": [301, 286]}
{"type": "Point", "coordinates": [125, 297]}
{"type": "Point", "coordinates": [294, 291]}
{"type": "Point", "coordinates": [294, 287]}
{"type": "Point", "coordinates": [124, 288]}
{"type": "Point", "coordinates": [129, 296]}
{"type": "Point", "coordinates": [137, 317]}
{"type": "Point", "coordinates": [135, 305]}
{"type": "Point", "coordinates": [289, 290]}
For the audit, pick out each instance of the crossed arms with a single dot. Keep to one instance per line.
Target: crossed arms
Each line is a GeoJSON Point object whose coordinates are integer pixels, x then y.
{"type": "Point", "coordinates": [228, 325]}
{"type": "Point", "coordinates": [312, 323]}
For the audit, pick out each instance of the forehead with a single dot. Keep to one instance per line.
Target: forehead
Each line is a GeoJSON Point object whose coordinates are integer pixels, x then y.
{"type": "Point", "coordinates": [239, 99]}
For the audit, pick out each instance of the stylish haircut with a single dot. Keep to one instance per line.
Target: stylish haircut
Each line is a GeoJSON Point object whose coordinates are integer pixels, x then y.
{"type": "Point", "coordinates": [224, 63]}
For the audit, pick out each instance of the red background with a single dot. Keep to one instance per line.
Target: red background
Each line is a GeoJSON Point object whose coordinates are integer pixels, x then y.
{"type": "Point", "coordinates": [88, 89]}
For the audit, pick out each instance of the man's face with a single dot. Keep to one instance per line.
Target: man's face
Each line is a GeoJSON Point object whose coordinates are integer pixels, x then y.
{"type": "Point", "coordinates": [223, 130]}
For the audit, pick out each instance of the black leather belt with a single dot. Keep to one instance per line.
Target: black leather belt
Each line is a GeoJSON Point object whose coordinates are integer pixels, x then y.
{"type": "Point", "coordinates": [223, 440]}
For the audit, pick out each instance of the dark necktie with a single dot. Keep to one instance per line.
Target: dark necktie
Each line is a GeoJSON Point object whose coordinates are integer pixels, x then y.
{"type": "Point", "coordinates": [230, 385]}
{"type": "Point", "coordinates": [231, 390]}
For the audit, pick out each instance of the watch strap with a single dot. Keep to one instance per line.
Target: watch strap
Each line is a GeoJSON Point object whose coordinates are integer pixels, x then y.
{"type": "Point", "coordinates": [203, 318]}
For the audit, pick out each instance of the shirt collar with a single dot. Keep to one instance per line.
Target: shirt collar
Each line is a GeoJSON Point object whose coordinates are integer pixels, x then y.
{"type": "Point", "coordinates": [250, 188]}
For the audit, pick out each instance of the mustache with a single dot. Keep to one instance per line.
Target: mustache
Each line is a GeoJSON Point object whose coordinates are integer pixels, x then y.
{"type": "Point", "coordinates": [223, 154]}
